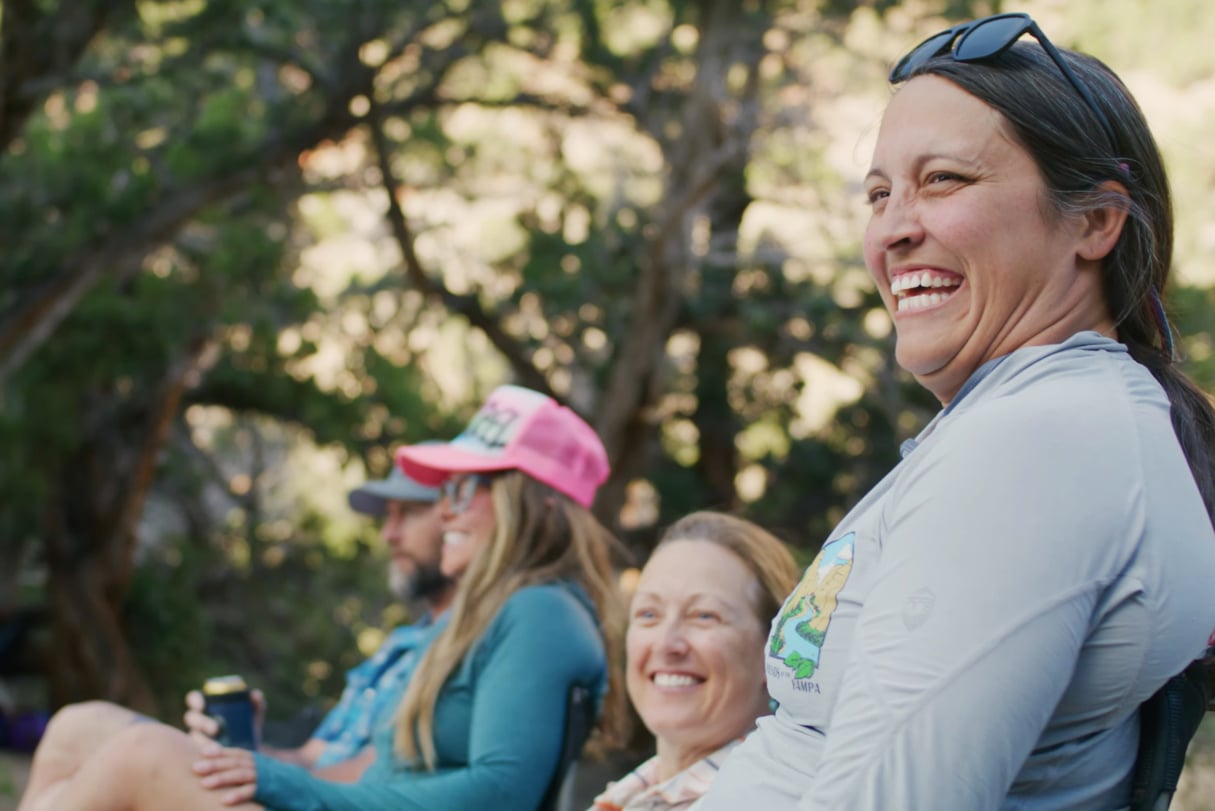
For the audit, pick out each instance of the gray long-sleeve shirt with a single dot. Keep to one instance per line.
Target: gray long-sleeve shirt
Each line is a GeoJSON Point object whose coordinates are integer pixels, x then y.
{"type": "Point", "coordinates": [980, 629]}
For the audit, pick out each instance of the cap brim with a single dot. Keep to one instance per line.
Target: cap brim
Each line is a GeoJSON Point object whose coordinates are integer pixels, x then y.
{"type": "Point", "coordinates": [371, 498]}
{"type": "Point", "coordinates": [431, 464]}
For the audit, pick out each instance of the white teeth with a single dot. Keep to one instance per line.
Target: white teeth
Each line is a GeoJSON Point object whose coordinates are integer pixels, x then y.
{"type": "Point", "coordinates": [673, 680]}
{"type": "Point", "coordinates": [913, 303]}
{"type": "Point", "coordinates": [925, 280]}
{"type": "Point", "coordinates": [454, 538]}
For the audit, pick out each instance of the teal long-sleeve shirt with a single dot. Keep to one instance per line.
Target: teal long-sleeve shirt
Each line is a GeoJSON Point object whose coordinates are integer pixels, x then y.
{"type": "Point", "coordinates": [499, 720]}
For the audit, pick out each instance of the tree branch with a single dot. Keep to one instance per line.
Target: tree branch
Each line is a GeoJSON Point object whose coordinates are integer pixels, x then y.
{"type": "Point", "coordinates": [139, 480]}
{"type": "Point", "coordinates": [25, 56]}
{"type": "Point", "coordinates": [39, 311]}
{"type": "Point", "coordinates": [467, 306]}
{"type": "Point", "coordinates": [708, 142]}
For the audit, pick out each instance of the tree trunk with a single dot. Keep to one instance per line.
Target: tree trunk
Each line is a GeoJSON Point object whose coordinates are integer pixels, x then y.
{"type": "Point", "coordinates": [713, 145]}
{"type": "Point", "coordinates": [89, 655]}
{"type": "Point", "coordinates": [90, 543]}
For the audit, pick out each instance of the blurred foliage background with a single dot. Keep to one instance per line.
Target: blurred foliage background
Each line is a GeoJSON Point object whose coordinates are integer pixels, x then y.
{"type": "Point", "coordinates": [248, 247]}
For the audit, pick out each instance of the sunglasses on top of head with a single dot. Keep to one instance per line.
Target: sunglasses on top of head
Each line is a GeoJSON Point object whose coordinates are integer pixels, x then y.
{"type": "Point", "coordinates": [990, 36]}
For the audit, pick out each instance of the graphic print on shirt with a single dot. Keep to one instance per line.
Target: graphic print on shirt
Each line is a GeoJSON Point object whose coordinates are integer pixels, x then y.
{"type": "Point", "coordinates": [797, 638]}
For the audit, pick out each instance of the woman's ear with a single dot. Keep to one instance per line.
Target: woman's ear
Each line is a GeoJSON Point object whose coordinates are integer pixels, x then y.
{"type": "Point", "coordinates": [1103, 226]}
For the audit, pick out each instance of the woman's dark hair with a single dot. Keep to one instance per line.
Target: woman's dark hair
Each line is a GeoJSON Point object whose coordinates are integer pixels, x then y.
{"type": "Point", "coordinates": [1073, 153]}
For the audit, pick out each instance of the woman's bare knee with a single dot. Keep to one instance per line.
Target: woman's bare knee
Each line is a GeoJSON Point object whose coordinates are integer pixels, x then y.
{"type": "Point", "coordinates": [72, 736]}
{"type": "Point", "coordinates": [145, 766]}
{"type": "Point", "coordinates": [88, 724]}
{"type": "Point", "coordinates": [141, 767]}
{"type": "Point", "coordinates": [142, 749]}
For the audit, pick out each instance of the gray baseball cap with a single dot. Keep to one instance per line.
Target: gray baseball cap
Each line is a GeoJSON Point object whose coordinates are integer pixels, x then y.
{"type": "Point", "coordinates": [371, 498]}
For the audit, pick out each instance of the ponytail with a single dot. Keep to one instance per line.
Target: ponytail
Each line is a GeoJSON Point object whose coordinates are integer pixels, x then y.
{"type": "Point", "coordinates": [1193, 418]}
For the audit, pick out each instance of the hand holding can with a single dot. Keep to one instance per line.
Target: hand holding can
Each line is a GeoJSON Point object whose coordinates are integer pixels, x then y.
{"type": "Point", "coordinates": [228, 702]}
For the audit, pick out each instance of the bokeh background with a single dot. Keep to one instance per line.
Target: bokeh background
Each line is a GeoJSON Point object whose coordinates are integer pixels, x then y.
{"type": "Point", "coordinates": [248, 247]}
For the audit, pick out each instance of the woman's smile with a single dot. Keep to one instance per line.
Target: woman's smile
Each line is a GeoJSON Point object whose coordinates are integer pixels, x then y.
{"type": "Point", "coordinates": [959, 243]}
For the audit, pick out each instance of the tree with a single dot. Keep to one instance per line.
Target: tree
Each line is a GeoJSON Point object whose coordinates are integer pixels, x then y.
{"type": "Point", "coordinates": [229, 229]}
{"type": "Point", "coordinates": [161, 168]}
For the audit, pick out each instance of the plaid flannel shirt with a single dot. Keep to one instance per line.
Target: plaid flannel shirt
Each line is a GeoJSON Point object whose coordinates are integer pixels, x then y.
{"type": "Point", "coordinates": [640, 789]}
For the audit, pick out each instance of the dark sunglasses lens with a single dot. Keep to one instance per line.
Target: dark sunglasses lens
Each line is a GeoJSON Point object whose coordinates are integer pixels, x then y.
{"type": "Point", "coordinates": [920, 54]}
{"type": "Point", "coordinates": [990, 37]}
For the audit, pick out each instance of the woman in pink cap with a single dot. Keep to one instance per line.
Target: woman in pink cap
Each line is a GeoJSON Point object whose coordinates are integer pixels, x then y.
{"type": "Point", "coordinates": [481, 723]}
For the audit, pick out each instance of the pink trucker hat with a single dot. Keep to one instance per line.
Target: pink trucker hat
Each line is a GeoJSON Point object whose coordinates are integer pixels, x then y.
{"type": "Point", "coordinates": [517, 429]}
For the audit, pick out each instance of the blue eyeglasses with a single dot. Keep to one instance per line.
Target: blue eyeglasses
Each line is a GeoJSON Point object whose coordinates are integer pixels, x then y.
{"type": "Point", "coordinates": [458, 491]}
{"type": "Point", "coordinates": [988, 37]}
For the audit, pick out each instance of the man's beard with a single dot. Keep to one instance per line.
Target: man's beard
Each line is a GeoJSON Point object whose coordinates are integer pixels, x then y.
{"type": "Point", "coordinates": [423, 583]}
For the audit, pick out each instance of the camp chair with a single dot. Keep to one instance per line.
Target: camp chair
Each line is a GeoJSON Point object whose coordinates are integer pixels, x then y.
{"type": "Point", "coordinates": [579, 719]}
{"type": "Point", "coordinates": [1167, 722]}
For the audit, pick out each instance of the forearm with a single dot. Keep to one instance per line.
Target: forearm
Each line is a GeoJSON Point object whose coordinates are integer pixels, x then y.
{"type": "Point", "coordinates": [347, 771]}
{"type": "Point", "coordinates": [305, 755]}
{"type": "Point", "coordinates": [286, 787]}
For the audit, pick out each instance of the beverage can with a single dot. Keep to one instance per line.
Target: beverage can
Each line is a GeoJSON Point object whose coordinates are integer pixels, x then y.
{"type": "Point", "coordinates": [228, 702]}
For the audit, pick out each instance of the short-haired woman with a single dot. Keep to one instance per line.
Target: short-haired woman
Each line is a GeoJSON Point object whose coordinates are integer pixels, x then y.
{"type": "Point", "coordinates": [694, 668]}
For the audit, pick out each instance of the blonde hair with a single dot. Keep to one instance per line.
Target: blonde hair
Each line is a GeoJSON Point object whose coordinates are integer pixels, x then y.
{"type": "Point", "coordinates": [765, 555]}
{"type": "Point", "coordinates": [540, 536]}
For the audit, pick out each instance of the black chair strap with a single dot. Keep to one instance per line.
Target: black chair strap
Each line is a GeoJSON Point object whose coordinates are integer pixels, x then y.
{"type": "Point", "coordinates": [1168, 720]}
{"type": "Point", "coordinates": [580, 715]}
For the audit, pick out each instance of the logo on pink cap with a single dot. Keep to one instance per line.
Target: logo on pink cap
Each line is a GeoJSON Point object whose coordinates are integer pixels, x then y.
{"type": "Point", "coordinates": [498, 422]}
{"type": "Point", "coordinates": [518, 429]}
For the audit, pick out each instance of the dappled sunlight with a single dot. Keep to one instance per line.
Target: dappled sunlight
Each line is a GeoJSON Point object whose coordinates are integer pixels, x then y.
{"type": "Point", "coordinates": [825, 389]}
{"type": "Point", "coordinates": [640, 508]}
{"type": "Point", "coordinates": [657, 222]}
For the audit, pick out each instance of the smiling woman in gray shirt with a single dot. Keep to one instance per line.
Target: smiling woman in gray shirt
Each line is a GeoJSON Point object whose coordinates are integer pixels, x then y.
{"type": "Point", "coordinates": [979, 631]}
